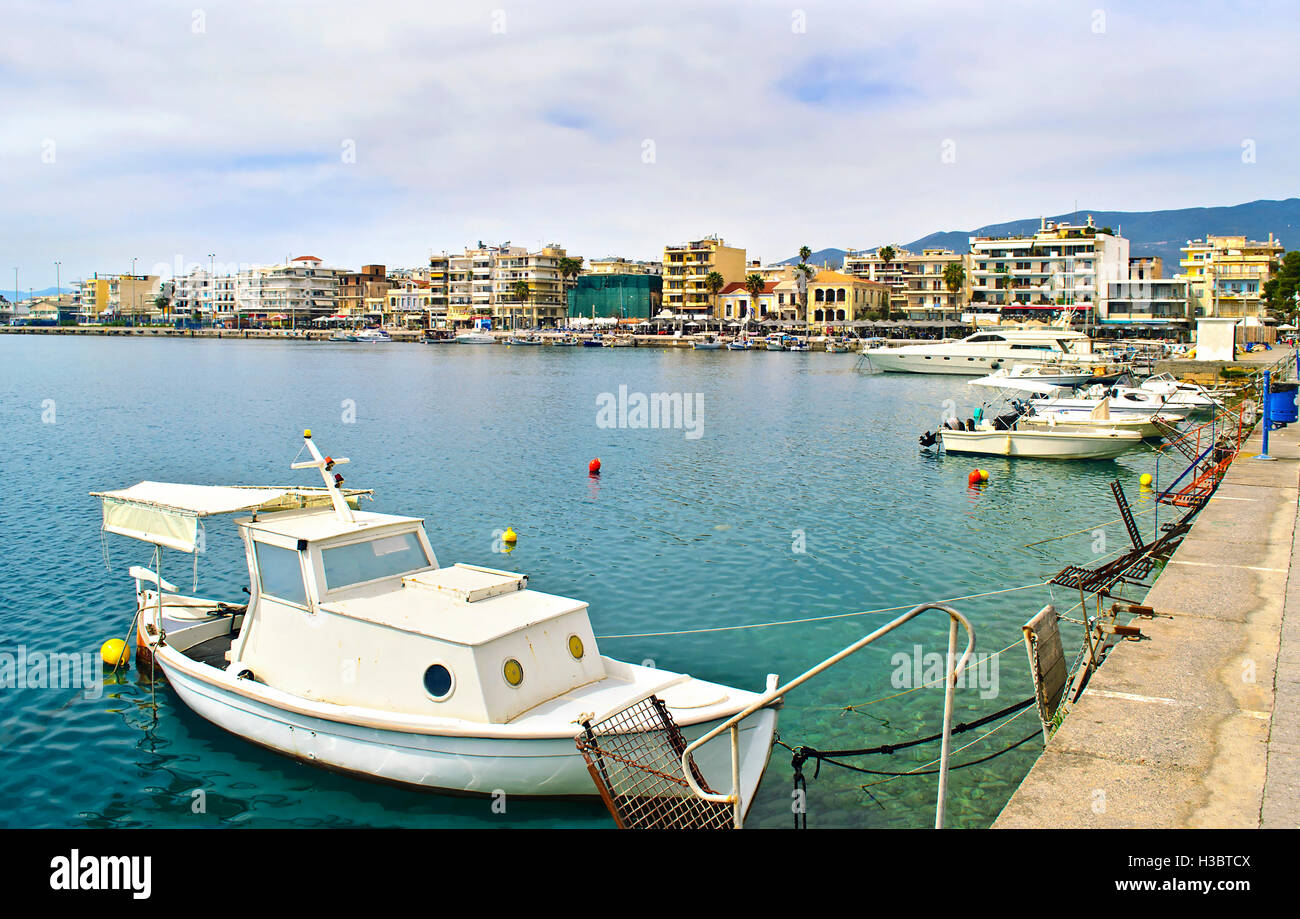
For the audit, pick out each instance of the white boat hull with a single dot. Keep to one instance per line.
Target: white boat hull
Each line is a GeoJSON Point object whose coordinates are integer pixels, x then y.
{"type": "Point", "coordinates": [1041, 443]}
{"type": "Point", "coordinates": [461, 764]}
{"type": "Point", "coordinates": [890, 360]}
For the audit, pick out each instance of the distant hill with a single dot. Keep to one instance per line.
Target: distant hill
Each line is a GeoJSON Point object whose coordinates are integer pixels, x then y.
{"type": "Point", "coordinates": [832, 257]}
{"type": "Point", "coordinates": [1160, 233]}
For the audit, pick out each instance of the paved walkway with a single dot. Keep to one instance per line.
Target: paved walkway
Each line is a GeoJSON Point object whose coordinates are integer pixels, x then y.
{"type": "Point", "coordinates": [1198, 723]}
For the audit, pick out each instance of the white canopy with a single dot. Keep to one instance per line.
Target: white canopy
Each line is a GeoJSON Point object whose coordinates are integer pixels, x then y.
{"type": "Point", "coordinates": [167, 513]}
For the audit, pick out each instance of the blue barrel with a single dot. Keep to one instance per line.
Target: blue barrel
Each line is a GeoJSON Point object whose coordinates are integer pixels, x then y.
{"type": "Point", "coordinates": [1282, 405]}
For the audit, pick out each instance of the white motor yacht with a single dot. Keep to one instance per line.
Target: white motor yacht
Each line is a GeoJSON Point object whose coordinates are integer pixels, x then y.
{"type": "Point", "coordinates": [984, 352]}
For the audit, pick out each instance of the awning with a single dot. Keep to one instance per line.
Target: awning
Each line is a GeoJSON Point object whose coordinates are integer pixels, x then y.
{"type": "Point", "coordinates": [167, 514]}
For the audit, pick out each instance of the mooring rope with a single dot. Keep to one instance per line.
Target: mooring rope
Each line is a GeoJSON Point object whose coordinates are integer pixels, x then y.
{"type": "Point", "coordinates": [868, 612]}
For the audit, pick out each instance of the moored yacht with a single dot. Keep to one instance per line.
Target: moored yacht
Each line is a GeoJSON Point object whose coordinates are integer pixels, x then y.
{"type": "Point", "coordinates": [984, 352]}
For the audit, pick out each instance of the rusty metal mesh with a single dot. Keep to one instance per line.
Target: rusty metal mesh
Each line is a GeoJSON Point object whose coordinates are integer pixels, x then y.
{"type": "Point", "coordinates": [635, 759]}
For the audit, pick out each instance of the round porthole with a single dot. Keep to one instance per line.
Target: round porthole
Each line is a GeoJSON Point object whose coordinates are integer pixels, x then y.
{"type": "Point", "coordinates": [438, 682]}
{"type": "Point", "coordinates": [513, 671]}
{"type": "Point", "coordinates": [576, 650]}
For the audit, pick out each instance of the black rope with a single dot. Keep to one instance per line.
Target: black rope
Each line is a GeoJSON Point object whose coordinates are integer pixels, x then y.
{"type": "Point", "coordinates": [974, 762]}
{"type": "Point", "coordinates": [803, 753]}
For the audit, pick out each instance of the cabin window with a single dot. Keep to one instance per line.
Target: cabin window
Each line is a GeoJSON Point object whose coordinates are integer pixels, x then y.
{"type": "Point", "coordinates": [438, 682]}
{"type": "Point", "coordinates": [385, 557]}
{"type": "Point", "coordinates": [280, 573]}
{"type": "Point", "coordinates": [513, 672]}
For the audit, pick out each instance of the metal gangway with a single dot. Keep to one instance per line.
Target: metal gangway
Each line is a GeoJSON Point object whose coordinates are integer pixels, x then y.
{"type": "Point", "coordinates": [648, 779]}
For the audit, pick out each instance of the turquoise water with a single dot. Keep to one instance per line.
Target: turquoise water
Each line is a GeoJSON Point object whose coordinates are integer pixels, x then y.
{"type": "Point", "coordinates": [796, 451]}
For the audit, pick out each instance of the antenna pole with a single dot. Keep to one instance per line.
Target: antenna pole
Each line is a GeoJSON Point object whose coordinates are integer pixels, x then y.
{"type": "Point", "coordinates": [326, 465]}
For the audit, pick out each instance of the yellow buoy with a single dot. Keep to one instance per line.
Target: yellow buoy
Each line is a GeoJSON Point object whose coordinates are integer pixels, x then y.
{"type": "Point", "coordinates": [984, 475]}
{"type": "Point", "coordinates": [509, 537]}
{"type": "Point", "coordinates": [115, 652]}
{"type": "Point", "coordinates": [1145, 480]}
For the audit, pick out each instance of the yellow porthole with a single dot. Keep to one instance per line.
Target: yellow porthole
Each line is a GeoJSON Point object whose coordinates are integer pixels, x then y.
{"type": "Point", "coordinates": [513, 671]}
{"type": "Point", "coordinates": [576, 650]}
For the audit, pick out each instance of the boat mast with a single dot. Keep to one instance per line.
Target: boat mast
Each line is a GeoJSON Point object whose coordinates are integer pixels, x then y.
{"type": "Point", "coordinates": [333, 482]}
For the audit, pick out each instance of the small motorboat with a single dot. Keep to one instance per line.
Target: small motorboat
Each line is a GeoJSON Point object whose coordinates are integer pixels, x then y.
{"type": "Point", "coordinates": [373, 336]}
{"type": "Point", "coordinates": [525, 341]}
{"type": "Point", "coordinates": [707, 343]}
{"type": "Point", "coordinates": [838, 346]}
{"type": "Point", "coordinates": [619, 341]}
{"type": "Point", "coordinates": [1144, 424]}
{"type": "Point", "coordinates": [358, 652]}
{"type": "Point", "coordinates": [740, 344]}
{"type": "Point", "coordinates": [566, 341]}
{"type": "Point", "coordinates": [596, 341]}
{"type": "Point", "coordinates": [1005, 435]}
{"type": "Point", "coordinates": [774, 343]}
{"type": "Point", "coordinates": [477, 337]}
{"type": "Point", "coordinates": [434, 337]}
{"type": "Point", "coordinates": [795, 343]}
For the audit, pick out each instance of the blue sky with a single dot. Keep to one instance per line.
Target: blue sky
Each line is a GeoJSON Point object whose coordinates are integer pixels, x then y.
{"type": "Point", "coordinates": [378, 132]}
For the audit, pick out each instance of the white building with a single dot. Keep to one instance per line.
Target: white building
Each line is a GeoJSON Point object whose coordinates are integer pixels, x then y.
{"type": "Point", "coordinates": [296, 293]}
{"type": "Point", "coordinates": [209, 296]}
{"type": "Point", "coordinates": [1062, 267]}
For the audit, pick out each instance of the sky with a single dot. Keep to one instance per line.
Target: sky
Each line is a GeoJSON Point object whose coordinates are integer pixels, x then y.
{"type": "Point", "coordinates": [380, 132]}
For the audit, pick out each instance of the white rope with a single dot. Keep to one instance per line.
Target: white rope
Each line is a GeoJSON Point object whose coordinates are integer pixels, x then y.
{"type": "Point", "coordinates": [868, 612]}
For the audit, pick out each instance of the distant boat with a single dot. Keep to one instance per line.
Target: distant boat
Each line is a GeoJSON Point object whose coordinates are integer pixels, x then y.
{"type": "Point", "coordinates": [475, 338]}
{"type": "Point", "coordinates": [775, 342]}
{"type": "Point", "coordinates": [566, 341]}
{"type": "Point", "coordinates": [596, 341]}
{"type": "Point", "coordinates": [795, 343]}
{"type": "Point", "coordinates": [740, 344]}
{"type": "Point", "coordinates": [707, 343]}
{"type": "Point", "coordinates": [525, 340]}
{"type": "Point", "coordinates": [372, 335]}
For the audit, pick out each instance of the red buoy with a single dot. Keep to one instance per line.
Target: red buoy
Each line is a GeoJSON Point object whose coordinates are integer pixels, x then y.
{"type": "Point", "coordinates": [974, 478]}
{"type": "Point", "coordinates": [594, 466]}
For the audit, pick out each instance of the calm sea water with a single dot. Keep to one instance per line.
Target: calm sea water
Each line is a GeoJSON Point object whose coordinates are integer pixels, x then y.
{"type": "Point", "coordinates": [796, 452]}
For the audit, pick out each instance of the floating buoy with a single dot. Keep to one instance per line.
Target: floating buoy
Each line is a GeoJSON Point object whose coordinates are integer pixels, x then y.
{"type": "Point", "coordinates": [974, 477]}
{"type": "Point", "coordinates": [594, 466]}
{"type": "Point", "coordinates": [1145, 480]}
{"type": "Point", "coordinates": [509, 537]}
{"type": "Point", "coordinates": [984, 475]}
{"type": "Point", "coordinates": [114, 652]}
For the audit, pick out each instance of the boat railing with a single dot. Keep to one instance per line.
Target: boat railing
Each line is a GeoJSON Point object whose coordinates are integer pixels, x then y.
{"type": "Point", "coordinates": [732, 724]}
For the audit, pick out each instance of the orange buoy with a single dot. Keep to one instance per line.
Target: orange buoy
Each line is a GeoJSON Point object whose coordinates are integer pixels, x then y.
{"type": "Point", "coordinates": [974, 478]}
{"type": "Point", "coordinates": [594, 466]}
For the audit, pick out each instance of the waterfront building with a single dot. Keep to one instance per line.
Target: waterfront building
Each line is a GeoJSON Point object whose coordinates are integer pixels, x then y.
{"type": "Point", "coordinates": [481, 283]}
{"type": "Point", "coordinates": [411, 303]}
{"type": "Point", "coordinates": [1146, 268]}
{"type": "Point", "coordinates": [617, 265]}
{"type": "Point", "coordinates": [736, 304]}
{"type": "Point", "coordinates": [1226, 275]}
{"type": "Point", "coordinates": [297, 292]}
{"type": "Point", "coordinates": [91, 298]}
{"type": "Point", "coordinates": [1061, 267]}
{"type": "Point", "coordinates": [207, 297]}
{"type": "Point", "coordinates": [1159, 306]}
{"type": "Point", "coordinates": [360, 292]}
{"type": "Point", "coordinates": [916, 281]}
{"type": "Point", "coordinates": [835, 296]}
{"type": "Point", "coordinates": [617, 296]}
{"type": "Point", "coordinates": [687, 265]}
{"type": "Point", "coordinates": [133, 296]}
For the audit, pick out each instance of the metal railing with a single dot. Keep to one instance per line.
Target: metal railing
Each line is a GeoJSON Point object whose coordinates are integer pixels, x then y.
{"type": "Point", "coordinates": [732, 724]}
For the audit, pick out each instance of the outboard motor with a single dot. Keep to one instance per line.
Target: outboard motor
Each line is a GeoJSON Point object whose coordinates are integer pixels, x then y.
{"type": "Point", "coordinates": [928, 440]}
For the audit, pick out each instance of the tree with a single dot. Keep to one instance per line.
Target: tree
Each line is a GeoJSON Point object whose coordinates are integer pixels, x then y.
{"type": "Point", "coordinates": [521, 292]}
{"type": "Point", "coordinates": [714, 282]}
{"type": "Point", "coordinates": [754, 283]}
{"type": "Point", "coordinates": [954, 278]}
{"type": "Point", "coordinates": [162, 304]}
{"type": "Point", "coordinates": [1280, 290]}
{"type": "Point", "coordinates": [570, 268]}
{"type": "Point", "coordinates": [803, 274]}
{"type": "Point", "coordinates": [887, 254]}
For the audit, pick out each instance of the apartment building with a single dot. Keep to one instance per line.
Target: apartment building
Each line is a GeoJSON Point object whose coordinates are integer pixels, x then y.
{"type": "Point", "coordinates": [483, 283]}
{"type": "Point", "coordinates": [836, 297]}
{"type": "Point", "coordinates": [410, 302]}
{"type": "Point", "coordinates": [688, 264]}
{"type": "Point", "coordinates": [363, 292]}
{"type": "Point", "coordinates": [91, 298]}
{"type": "Point", "coordinates": [132, 296]}
{"type": "Point", "coordinates": [1157, 303]}
{"type": "Point", "coordinates": [616, 265]}
{"type": "Point", "coordinates": [294, 293]}
{"type": "Point", "coordinates": [210, 297]}
{"type": "Point", "coordinates": [916, 281]}
{"type": "Point", "coordinates": [1058, 268]}
{"type": "Point", "coordinates": [1226, 275]}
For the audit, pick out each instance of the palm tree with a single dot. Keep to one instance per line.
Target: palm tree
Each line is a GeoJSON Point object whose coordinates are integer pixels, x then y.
{"type": "Point", "coordinates": [714, 282]}
{"type": "Point", "coordinates": [954, 278]}
{"type": "Point", "coordinates": [569, 268]}
{"type": "Point", "coordinates": [521, 292]}
{"type": "Point", "coordinates": [805, 272]}
{"type": "Point", "coordinates": [887, 254]}
{"type": "Point", "coordinates": [754, 283]}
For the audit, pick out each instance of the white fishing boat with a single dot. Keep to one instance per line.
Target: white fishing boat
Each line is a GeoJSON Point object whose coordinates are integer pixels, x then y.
{"type": "Point", "coordinates": [373, 336]}
{"type": "Point", "coordinates": [741, 344]}
{"type": "Point", "coordinates": [477, 337]}
{"type": "Point", "coordinates": [1180, 395]}
{"type": "Point", "coordinates": [1100, 416]}
{"type": "Point", "coordinates": [358, 652]}
{"type": "Point", "coordinates": [774, 343]}
{"type": "Point", "coordinates": [525, 340]}
{"type": "Point", "coordinates": [983, 352]}
{"type": "Point", "coordinates": [838, 346]}
{"type": "Point", "coordinates": [1041, 442]}
{"type": "Point", "coordinates": [707, 343]}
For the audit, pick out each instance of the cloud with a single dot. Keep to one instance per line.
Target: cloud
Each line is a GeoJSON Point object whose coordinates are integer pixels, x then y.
{"type": "Point", "coordinates": [380, 132]}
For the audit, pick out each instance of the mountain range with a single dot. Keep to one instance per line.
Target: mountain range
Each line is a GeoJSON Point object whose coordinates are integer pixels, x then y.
{"type": "Point", "coordinates": [1160, 233]}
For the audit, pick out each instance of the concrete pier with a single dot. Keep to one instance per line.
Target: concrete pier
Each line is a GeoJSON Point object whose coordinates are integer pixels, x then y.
{"type": "Point", "coordinates": [1197, 724]}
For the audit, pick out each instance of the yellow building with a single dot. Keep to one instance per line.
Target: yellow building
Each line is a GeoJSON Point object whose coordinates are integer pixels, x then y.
{"type": "Point", "coordinates": [1226, 275]}
{"type": "Point", "coordinates": [916, 280]}
{"type": "Point", "coordinates": [92, 298]}
{"type": "Point", "coordinates": [687, 265]}
{"type": "Point", "coordinates": [835, 297]}
{"type": "Point", "coordinates": [133, 295]}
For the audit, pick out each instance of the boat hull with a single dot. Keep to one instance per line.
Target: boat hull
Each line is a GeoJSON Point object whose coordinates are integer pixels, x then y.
{"type": "Point", "coordinates": [890, 360]}
{"type": "Point", "coordinates": [455, 764]}
{"type": "Point", "coordinates": [1041, 444]}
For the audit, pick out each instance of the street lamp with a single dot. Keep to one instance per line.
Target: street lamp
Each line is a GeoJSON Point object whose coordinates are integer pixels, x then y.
{"type": "Point", "coordinates": [58, 291]}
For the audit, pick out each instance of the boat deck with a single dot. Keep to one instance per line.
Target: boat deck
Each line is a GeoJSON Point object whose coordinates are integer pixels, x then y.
{"type": "Point", "coordinates": [212, 651]}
